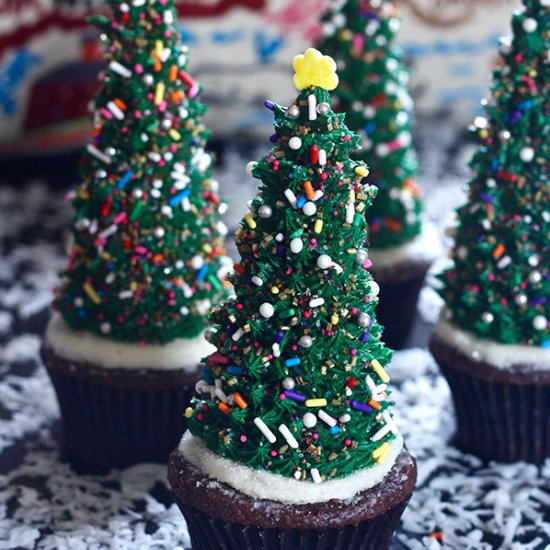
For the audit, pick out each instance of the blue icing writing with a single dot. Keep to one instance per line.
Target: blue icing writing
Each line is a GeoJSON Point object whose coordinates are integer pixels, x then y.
{"type": "Point", "coordinates": [12, 74]}
{"type": "Point", "coordinates": [266, 47]}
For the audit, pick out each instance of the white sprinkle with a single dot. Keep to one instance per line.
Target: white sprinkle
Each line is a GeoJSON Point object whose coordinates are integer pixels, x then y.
{"type": "Point", "coordinates": [291, 197]}
{"type": "Point", "coordinates": [109, 231]}
{"type": "Point", "coordinates": [314, 471]}
{"type": "Point", "coordinates": [238, 335]}
{"type": "Point", "coordinates": [257, 281]}
{"type": "Point", "coordinates": [318, 194]}
{"type": "Point", "coordinates": [276, 350]}
{"type": "Point", "coordinates": [168, 17]}
{"type": "Point", "coordinates": [312, 107]}
{"type": "Point", "coordinates": [322, 157]}
{"type": "Point", "coordinates": [295, 143]}
{"type": "Point", "coordinates": [326, 418]}
{"type": "Point", "coordinates": [265, 430]}
{"type": "Point", "coordinates": [350, 212]}
{"type": "Point", "coordinates": [155, 157]}
{"type": "Point", "coordinates": [296, 245]}
{"type": "Point", "coordinates": [290, 439]}
{"type": "Point", "coordinates": [220, 394]}
{"type": "Point", "coordinates": [381, 433]}
{"type": "Point", "coordinates": [344, 418]}
{"type": "Point", "coordinates": [125, 294]}
{"type": "Point", "coordinates": [93, 150]}
{"type": "Point", "coordinates": [116, 110]}
{"type": "Point", "coordinates": [316, 302]}
{"type": "Point", "coordinates": [120, 69]}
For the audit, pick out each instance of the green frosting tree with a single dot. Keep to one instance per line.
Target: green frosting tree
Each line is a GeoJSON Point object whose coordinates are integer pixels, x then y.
{"type": "Point", "coordinates": [360, 35]}
{"type": "Point", "coordinates": [147, 260]}
{"type": "Point", "coordinates": [298, 385]}
{"type": "Point", "coordinates": [499, 285]}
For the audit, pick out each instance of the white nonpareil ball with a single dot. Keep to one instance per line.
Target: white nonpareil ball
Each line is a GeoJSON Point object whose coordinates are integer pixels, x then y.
{"type": "Point", "coordinates": [324, 261]}
{"type": "Point", "coordinates": [267, 310]}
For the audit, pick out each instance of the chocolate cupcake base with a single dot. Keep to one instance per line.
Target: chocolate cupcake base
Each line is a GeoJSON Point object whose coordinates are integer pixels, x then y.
{"type": "Point", "coordinates": [220, 517]}
{"type": "Point", "coordinates": [500, 414]}
{"type": "Point", "coordinates": [399, 290]}
{"type": "Point", "coordinates": [116, 417]}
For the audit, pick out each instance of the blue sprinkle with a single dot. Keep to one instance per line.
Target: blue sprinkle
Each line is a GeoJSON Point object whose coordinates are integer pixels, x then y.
{"type": "Point", "coordinates": [301, 201]}
{"type": "Point", "coordinates": [124, 180]}
{"type": "Point", "coordinates": [545, 344]}
{"type": "Point", "coordinates": [334, 430]}
{"type": "Point", "coordinates": [202, 273]}
{"type": "Point", "coordinates": [269, 105]}
{"type": "Point", "coordinates": [233, 369]}
{"type": "Point", "coordinates": [293, 362]}
{"type": "Point", "coordinates": [207, 376]}
{"type": "Point", "coordinates": [494, 165]}
{"type": "Point", "coordinates": [176, 199]}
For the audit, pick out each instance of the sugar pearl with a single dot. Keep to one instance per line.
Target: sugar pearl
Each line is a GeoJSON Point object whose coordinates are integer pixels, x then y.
{"type": "Point", "coordinates": [267, 310]}
{"type": "Point", "coordinates": [295, 142]}
{"type": "Point", "coordinates": [293, 112]}
{"type": "Point", "coordinates": [540, 322]}
{"type": "Point", "coordinates": [159, 232]}
{"type": "Point", "coordinates": [374, 288]}
{"type": "Point", "coordinates": [305, 341]}
{"type": "Point", "coordinates": [530, 25]}
{"type": "Point", "coordinates": [324, 261]}
{"type": "Point", "coordinates": [535, 277]}
{"type": "Point", "coordinates": [363, 319]}
{"type": "Point", "coordinates": [288, 383]}
{"type": "Point", "coordinates": [487, 317]}
{"type": "Point", "coordinates": [197, 262]}
{"type": "Point", "coordinates": [527, 154]}
{"type": "Point", "coordinates": [323, 108]}
{"type": "Point", "coordinates": [265, 211]}
{"type": "Point", "coordinates": [309, 208]}
{"type": "Point", "coordinates": [296, 245]}
{"type": "Point", "coordinates": [361, 256]}
{"type": "Point", "coordinates": [309, 420]}
{"type": "Point", "coordinates": [105, 328]}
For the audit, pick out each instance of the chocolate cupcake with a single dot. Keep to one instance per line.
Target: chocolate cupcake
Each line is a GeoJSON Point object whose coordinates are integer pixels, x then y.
{"type": "Point", "coordinates": [291, 441]}
{"type": "Point", "coordinates": [147, 258]}
{"type": "Point", "coordinates": [493, 342]}
{"type": "Point", "coordinates": [500, 393]}
{"type": "Point", "coordinates": [373, 92]}
{"type": "Point", "coordinates": [119, 401]}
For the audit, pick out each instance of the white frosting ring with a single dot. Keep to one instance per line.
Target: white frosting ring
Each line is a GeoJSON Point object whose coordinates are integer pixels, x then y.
{"type": "Point", "coordinates": [260, 484]}
{"type": "Point", "coordinates": [183, 353]}
{"type": "Point", "coordinates": [426, 246]}
{"type": "Point", "coordinates": [501, 356]}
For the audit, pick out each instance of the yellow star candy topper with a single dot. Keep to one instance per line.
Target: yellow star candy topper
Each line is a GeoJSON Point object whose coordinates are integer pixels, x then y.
{"type": "Point", "coordinates": [314, 69]}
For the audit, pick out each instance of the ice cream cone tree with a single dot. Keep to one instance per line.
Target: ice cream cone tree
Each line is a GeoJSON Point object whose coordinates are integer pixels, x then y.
{"type": "Point", "coordinates": [373, 91]}
{"type": "Point", "coordinates": [499, 283]}
{"type": "Point", "coordinates": [298, 385]}
{"type": "Point", "coordinates": [147, 260]}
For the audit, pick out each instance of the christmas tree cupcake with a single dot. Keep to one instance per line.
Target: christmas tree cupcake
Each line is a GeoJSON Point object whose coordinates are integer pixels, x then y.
{"type": "Point", "coordinates": [291, 440]}
{"type": "Point", "coordinates": [147, 260]}
{"type": "Point", "coordinates": [373, 92]}
{"type": "Point", "coordinates": [493, 340]}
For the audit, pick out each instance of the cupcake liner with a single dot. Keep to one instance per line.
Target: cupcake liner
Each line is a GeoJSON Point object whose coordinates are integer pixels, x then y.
{"type": "Point", "coordinates": [499, 420]}
{"type": "Point", "coordinates": [213, 533]}
{"type": "Point", "coordinates": [397, 307]}
{"type": "Point", "coordinates": [108, 427]}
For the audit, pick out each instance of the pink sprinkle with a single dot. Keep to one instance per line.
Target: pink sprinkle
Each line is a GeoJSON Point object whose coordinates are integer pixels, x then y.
{"type": "Point", "coordinates": [140, 249]}
{"type": "Point", "coordinates": [106, 113]}
{"type": "Point", "coordinates": [315, 436]}
{"type": "Point", "coordinates": [243, 439]}
{"type": "Point", "coordinates": [282, 396]}
{"type": "Point", "coordinates": [138, 68]}
{"type": "Point", "coordinates": [273, 452]}
{"type": "Point", "coordinates": [137, 114]}
{"type": "Point", "coordinates": [347, 442]}
{"type": "Point", "coordinates": [354, 311]}
{"type": "Point", "coordinates": [100, 242]}
{"type": "Point", "coordinates": [119, 218]}
{"type": "Point", "coordinates": [353, 352]}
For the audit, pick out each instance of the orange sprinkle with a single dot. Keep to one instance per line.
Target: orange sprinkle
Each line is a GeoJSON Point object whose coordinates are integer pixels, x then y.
{"type": "Point", "coordinates": [120, 104]}
{"type": "Point", "coordinates": [498, 251]}
{"type": "Point", "coordinates": [157, 258]}
{"type": "Point", "coordinates": [157, 65]}
{"type": "Point", "coordinates": [239, 268]}
{"type": "Point", "coordinates": [224, 408]}
{"type": "Point", "coordinates": [177, 96]}
{"type": "Point", "coordinates": [412, 187]}
{"type": "Point", "coordinates": [438, 535]}
{"type": "Point", "coordinates": [374, 404]}
{"type": "Point", "coordinates": [173, 73]}
{"type": "Point", "coordinates": [309, 190]}
{"type": "Point", "coordinates": [392, 225]}
{"type": "Point", "coordinates": [240, 401]}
